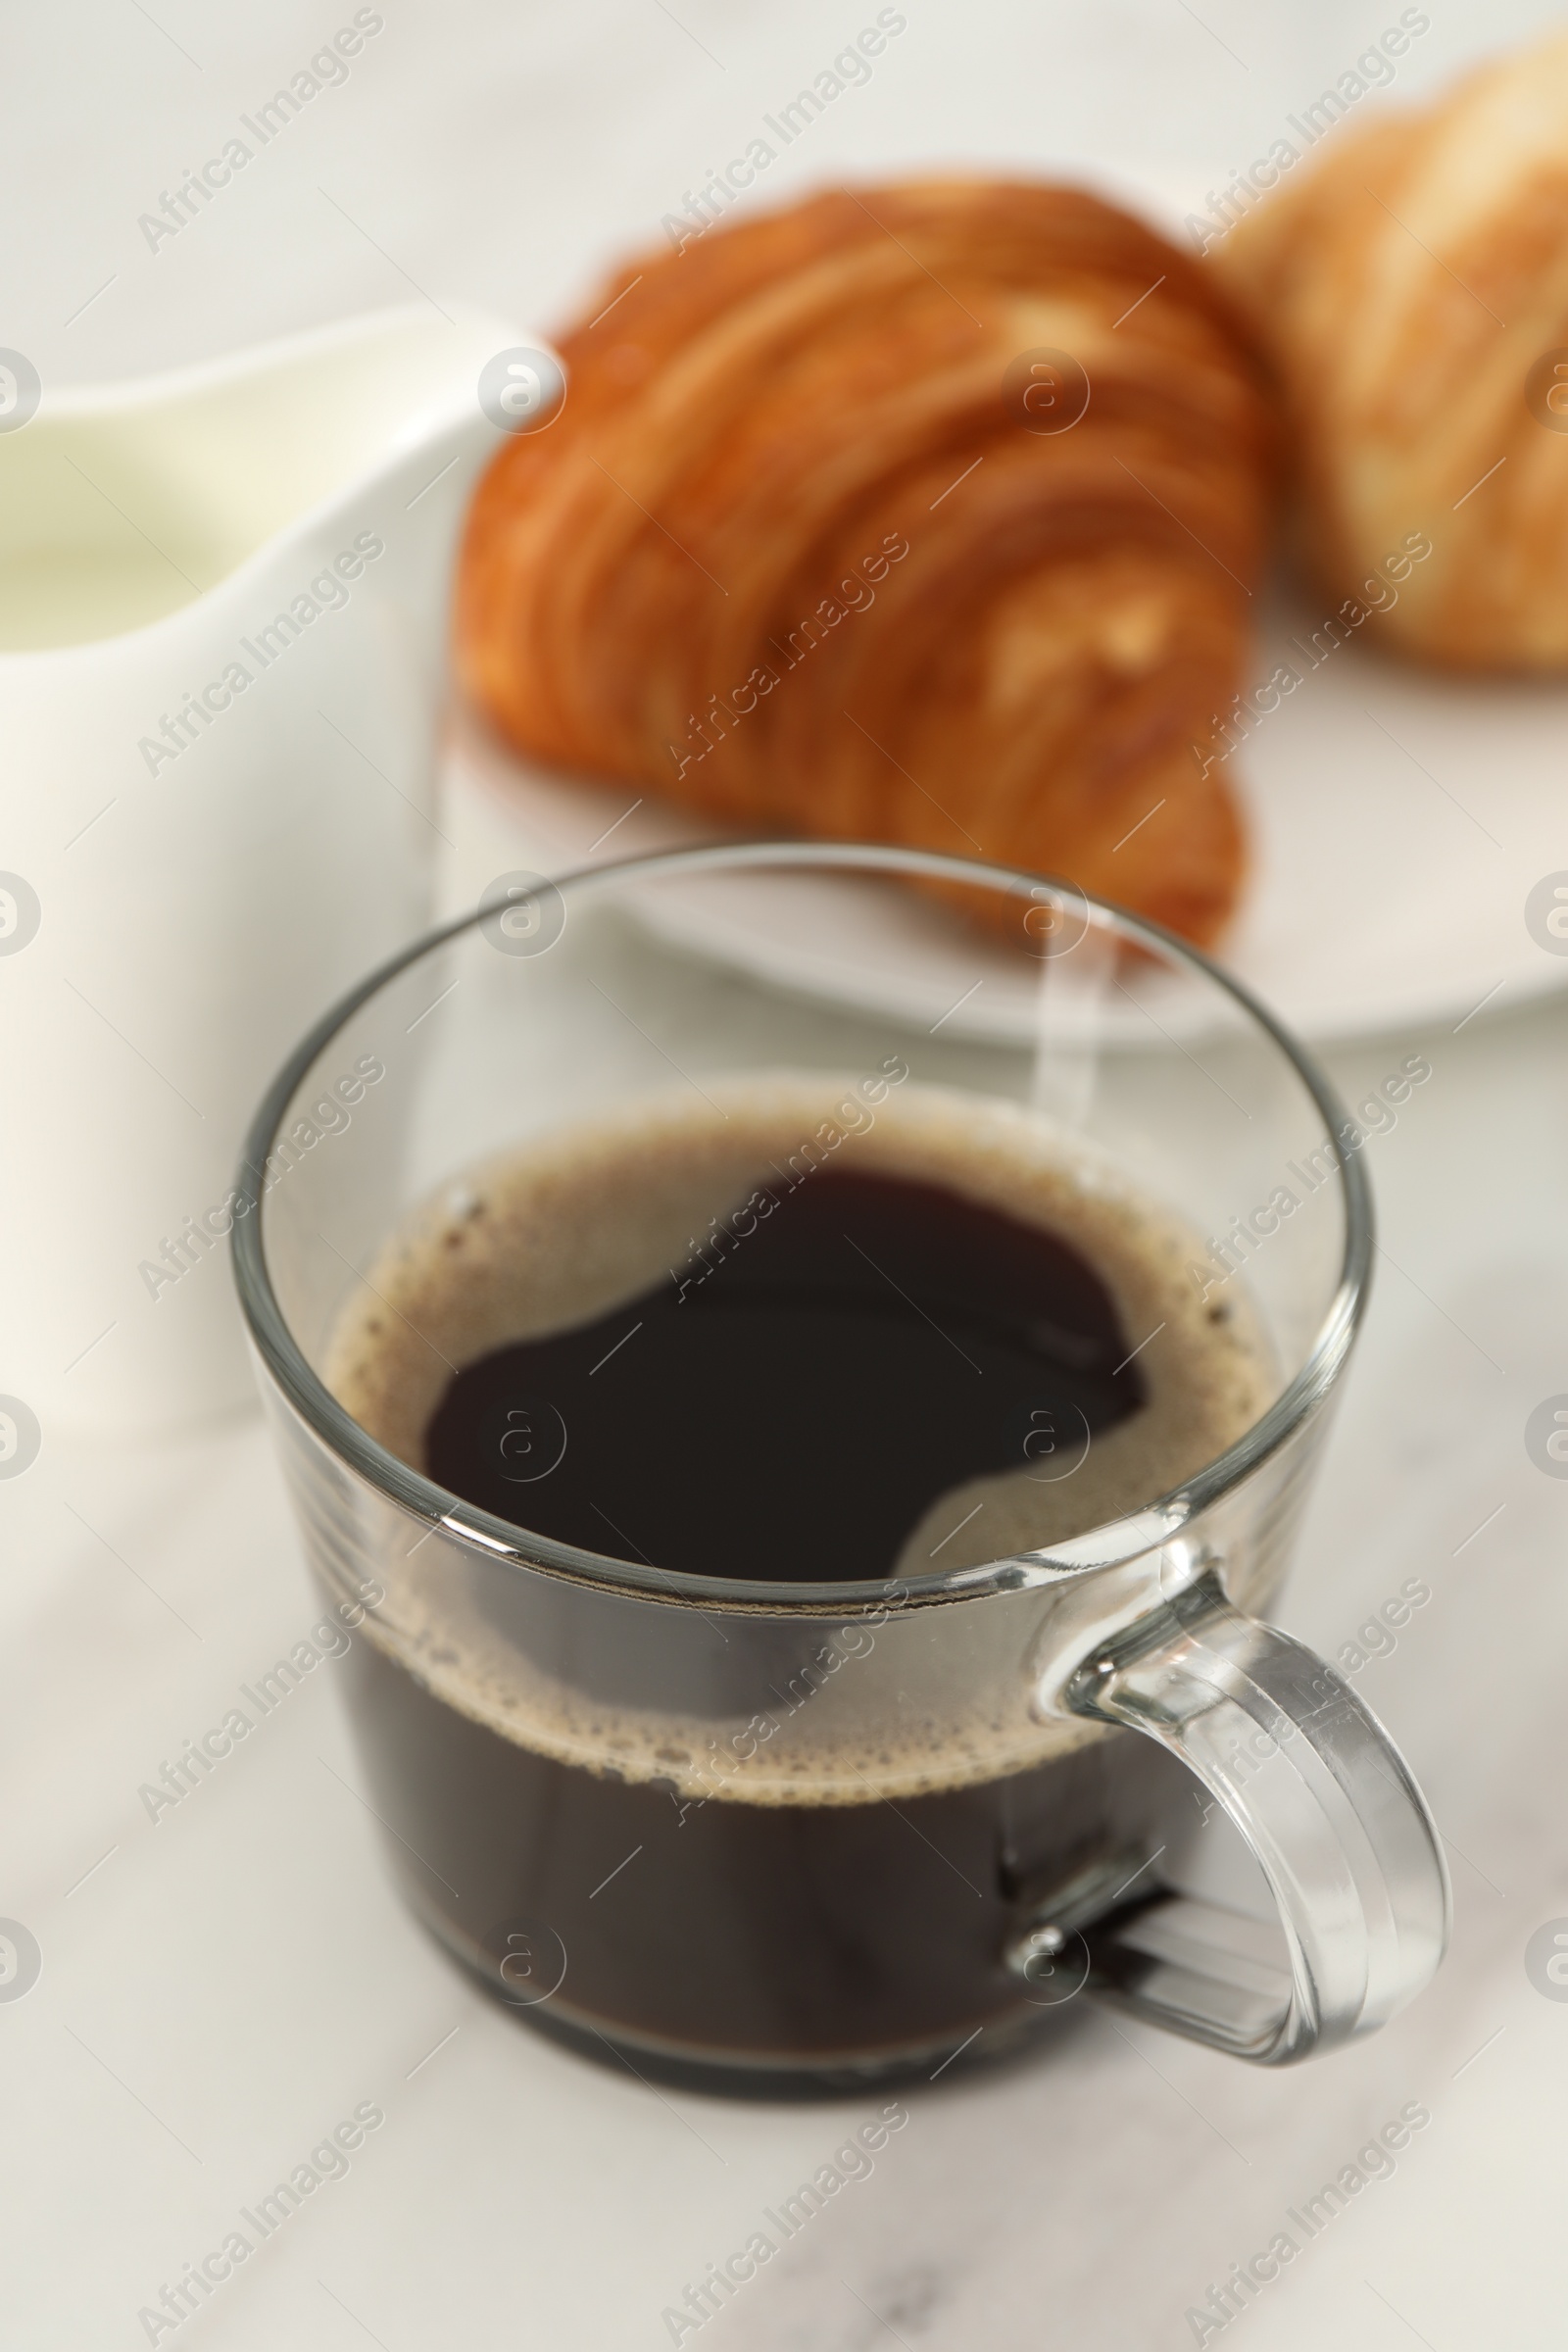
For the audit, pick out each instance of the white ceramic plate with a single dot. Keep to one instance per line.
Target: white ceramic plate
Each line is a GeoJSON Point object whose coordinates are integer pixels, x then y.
{"type": "Point", "coordinates": [1399, 821]}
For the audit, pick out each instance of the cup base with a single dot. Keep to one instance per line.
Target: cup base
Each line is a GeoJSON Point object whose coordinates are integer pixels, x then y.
{"type": "Point", "coordinates": [744, 2075]}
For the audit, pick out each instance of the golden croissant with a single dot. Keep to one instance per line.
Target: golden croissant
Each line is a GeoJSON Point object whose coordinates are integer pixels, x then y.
{"type": "Point", "coordinates": [928, 513]}
{"type": "Point", "coordinates": [1413, 290]}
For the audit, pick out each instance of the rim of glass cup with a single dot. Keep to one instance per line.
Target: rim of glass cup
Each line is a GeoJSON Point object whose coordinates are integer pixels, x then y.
{"type": "Point", "coordinates": [1117, 1541]}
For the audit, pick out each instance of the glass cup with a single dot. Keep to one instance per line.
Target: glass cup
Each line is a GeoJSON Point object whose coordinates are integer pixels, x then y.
{"type": "Point", "coordinates": [764, 1833]}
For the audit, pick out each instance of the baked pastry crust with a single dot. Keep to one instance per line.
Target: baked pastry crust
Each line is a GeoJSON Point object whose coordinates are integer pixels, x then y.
{"type": "Point", "coordinates": [1412, 288]}
{"type": "Point", "coordinates": [796, 554]}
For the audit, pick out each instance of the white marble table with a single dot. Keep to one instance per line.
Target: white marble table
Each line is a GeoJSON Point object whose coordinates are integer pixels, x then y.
{"type": "Point", "coordinates": [223, 1988]}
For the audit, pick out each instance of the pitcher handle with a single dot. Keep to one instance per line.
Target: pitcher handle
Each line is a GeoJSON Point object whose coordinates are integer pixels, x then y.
{"type": "Point", "coordinates": [1326, 1803]}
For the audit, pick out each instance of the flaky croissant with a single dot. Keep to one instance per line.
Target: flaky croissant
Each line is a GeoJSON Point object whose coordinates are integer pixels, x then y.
{"type": "Point", "coordinates": [1412, 286]}
{"type": "Point", "coordinates": [822, 541]}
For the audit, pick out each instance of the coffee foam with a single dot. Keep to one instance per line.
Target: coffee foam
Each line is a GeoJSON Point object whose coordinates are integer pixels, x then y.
{"type": "Point", "coordinates": [556, 1234]}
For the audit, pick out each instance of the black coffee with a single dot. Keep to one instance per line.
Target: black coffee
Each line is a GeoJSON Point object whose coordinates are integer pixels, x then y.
{"type": "Point", "coordinates": [764, 1838]}
{"type": "Point", "coordinates": [787, 1412]}
{"type": "Point", "coordinates": [698, 1931]}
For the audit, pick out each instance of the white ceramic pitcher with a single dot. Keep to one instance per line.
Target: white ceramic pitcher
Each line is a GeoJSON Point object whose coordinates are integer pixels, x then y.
{"type": "Point", "coordinates": [223, 601]}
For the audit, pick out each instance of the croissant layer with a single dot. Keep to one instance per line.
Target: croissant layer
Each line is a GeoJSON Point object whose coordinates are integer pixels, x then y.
{"type": "Point", "coordinates": [1413, 290]}
{"type": "Point", "coordinates": [927, 513]}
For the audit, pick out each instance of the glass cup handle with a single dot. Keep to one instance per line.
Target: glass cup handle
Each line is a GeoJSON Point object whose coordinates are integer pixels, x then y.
{"type": "Point", "coordinates": [1326, 1803]}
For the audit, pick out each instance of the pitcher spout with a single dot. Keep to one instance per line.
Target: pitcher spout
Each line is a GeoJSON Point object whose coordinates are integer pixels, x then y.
{"type": "Point", "coordinates": [122, 505]}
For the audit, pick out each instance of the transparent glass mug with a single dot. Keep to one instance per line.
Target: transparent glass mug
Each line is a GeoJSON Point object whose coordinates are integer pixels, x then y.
{"type": "Point", "coordinates": [673, 1815]}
